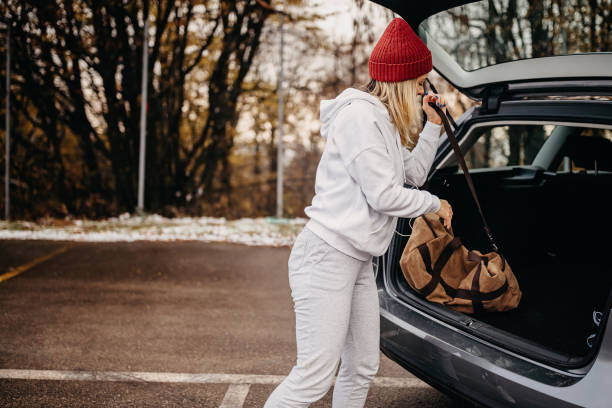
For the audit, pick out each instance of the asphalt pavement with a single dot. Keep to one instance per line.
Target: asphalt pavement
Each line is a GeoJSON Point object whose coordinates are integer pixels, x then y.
{"type": "Point", "coordinates": [156, 324]}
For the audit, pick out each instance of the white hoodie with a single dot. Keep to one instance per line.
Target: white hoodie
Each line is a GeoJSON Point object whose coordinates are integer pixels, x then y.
{"type": "Point", "coordinates": [359, 191]}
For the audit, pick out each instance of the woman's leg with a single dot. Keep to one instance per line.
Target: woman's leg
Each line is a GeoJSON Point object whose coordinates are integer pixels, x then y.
{"type": "Point", "coordinates": [321, 280]}
{"type": "Point", "coordinates": [361, 353]}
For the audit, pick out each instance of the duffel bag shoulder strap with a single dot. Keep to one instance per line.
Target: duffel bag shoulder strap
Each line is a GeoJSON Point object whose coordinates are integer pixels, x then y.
{"type": "Point", "coordinates": [460, 158]}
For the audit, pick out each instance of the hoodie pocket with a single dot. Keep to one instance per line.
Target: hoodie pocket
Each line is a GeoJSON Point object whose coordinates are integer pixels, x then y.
{"type": "Point", "coordinates": [378, 224]}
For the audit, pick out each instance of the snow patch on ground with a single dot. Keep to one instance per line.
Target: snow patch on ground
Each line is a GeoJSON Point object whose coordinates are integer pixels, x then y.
{"type": "Point", "coordinates": [266, 231]}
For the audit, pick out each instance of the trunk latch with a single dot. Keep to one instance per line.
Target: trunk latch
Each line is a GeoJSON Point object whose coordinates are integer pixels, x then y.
{"type": "Point", "coordinates": [491, 98]}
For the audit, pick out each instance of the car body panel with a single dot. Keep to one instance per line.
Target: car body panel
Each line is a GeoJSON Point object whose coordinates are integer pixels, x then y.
{"type": "Point", "coordinates": [580, 73]}
{"type": "Point", "coordinates": [481, 371]}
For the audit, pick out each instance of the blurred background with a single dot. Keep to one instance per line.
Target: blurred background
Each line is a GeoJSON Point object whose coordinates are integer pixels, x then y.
{"type": "Point", "coordinates": [212, 102]}
{"type": "Point", "coordinates": [212, 77]}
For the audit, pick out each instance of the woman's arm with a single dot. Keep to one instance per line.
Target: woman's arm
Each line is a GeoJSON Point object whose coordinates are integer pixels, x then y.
{"type": "Point", "coordinates": [372, 169]}
{"type": "Point", "coordinates": [362, 150]}
{"type": "Point", "coordinates": [418, 162]}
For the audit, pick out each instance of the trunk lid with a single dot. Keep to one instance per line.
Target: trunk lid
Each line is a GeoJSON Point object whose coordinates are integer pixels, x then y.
{"type": "Point", "coordinates": [500, 48]}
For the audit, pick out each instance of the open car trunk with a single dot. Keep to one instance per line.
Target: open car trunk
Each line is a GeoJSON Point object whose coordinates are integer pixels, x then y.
{"type": "Point", "coordinates": [554, 230]}
{"type": "Point", "coordinates": [549, 222]}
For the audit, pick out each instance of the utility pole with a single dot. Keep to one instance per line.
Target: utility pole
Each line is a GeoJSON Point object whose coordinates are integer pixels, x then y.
{"type": "Point", "coordinates": [143, 113]}
{"type": "Point", "coordinates": [7, 167]}
{"type": "Point", "coordinates": [279, 158]}
{"type": "Point", "coordinates": [279, 155]}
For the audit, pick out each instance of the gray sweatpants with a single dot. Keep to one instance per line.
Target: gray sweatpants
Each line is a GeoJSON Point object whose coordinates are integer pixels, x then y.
{"type": "Point", "coordinates": [337, 319]}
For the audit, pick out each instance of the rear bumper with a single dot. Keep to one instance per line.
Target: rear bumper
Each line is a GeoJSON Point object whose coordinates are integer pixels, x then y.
{"type": "Point", "coordinates": [434, 382]}
{"type": "Point", "coordinates": [463, 366]}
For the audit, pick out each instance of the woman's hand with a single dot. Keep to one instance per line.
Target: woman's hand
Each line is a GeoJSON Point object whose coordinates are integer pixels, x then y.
{"type": "Point", "coordinates": [445, 212]}
{"type": "Point", "coordinates": [432, 115]}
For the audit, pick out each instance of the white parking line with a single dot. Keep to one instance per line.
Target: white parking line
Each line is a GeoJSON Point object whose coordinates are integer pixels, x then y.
{"type": "Point", "coordinates": [235, 396]}
{"type": "Point", "coordinates": [189, 378]}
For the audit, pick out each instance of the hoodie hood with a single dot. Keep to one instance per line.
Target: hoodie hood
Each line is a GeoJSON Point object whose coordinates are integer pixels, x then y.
{"type": "Point", "coordinates": [330, 107]}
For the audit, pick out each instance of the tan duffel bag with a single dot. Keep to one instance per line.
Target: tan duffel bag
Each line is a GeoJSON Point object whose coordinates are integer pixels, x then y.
{"type": "Point", "coordinates": [438, 266]}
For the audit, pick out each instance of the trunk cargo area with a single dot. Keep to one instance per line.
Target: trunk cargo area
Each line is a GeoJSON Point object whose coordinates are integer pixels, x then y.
{"type": "Point", "coordinates": [554, 231]}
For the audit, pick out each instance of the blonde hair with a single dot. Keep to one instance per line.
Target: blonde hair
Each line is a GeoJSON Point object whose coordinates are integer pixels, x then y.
{"type": "Point", "coordinates": [403, 106]}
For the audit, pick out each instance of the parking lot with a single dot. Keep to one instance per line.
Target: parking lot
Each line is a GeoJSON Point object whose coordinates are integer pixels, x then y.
{"type": "Point", "coordinates": [156, 324]}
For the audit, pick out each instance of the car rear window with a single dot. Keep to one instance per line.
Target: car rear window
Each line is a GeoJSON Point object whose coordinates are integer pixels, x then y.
{"type": "Point", "coordinates": [588, 149]}
{"type": "Point", "coordinates": [509, 145]}
{"type": "Point", "coordinates": [490, 32]}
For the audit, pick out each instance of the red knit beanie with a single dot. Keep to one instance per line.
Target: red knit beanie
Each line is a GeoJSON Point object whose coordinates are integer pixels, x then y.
{"type": "Point", "coordinates": [399, 54]}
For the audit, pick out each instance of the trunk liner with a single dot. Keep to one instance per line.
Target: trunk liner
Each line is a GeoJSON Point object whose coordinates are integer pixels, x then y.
{"type": "Point", "coordinates": [556, 310]}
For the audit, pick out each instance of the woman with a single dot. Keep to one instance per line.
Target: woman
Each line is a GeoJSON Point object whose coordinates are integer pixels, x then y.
{"type": "Point", "coordinates": [372, 148]}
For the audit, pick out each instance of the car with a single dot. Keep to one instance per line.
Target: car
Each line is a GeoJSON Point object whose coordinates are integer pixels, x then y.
{"type": "Point", "coordinates": [539, 149]}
